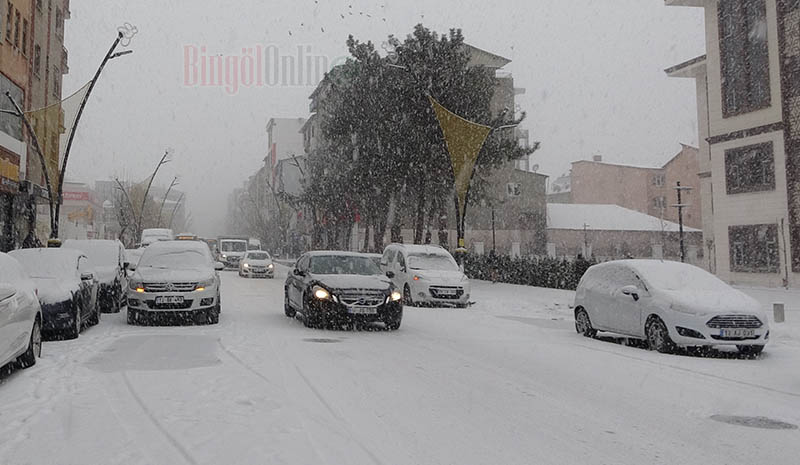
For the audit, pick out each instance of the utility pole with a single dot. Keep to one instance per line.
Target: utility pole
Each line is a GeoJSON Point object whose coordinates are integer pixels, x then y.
{"type": "Point", "coordinates": [680, 206]}
{"type": "Point", "coordinates": [494, 238]}
{"type": "Point", "coordinates": [585, 240]}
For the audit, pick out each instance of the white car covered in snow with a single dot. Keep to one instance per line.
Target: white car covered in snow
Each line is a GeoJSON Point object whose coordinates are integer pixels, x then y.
{"type": "Point", "coordinates": [177, 278]}
{"type": "Point", "coordinates": [669, 305]}
{"type": "Point", "coordinates": [257, 264]}
{"type": "Point", "coordinates": [20, 315]}
{"type": "Point", "coordinates": [426, 274]}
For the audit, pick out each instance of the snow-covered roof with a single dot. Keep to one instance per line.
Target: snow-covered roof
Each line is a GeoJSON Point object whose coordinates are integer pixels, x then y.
{"type": "Point", "coordinates": [605, 218]}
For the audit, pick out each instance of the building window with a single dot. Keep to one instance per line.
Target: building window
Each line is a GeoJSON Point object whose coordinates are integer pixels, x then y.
{"type": "Point", "coordinates": [37, 59]}
{"type": "Point", "coordinates": [660, 202]}
{"type": "Point", "coordinates": [514, 189]}
{"type": "Point", "coordinates": [744, 56]}
{"type": "Point", "coordinates": [750, 169]}
{"type": "Point", "coordinates": [17, 20]}
{"type": "Point", "coordinates": [658, 180]}
{"type": "Point", "coordinates": [39, 5]}
{"type": "Point", "coordinates": [24, 47]}
{"type": "Point", "coordinates": [9, 21]}
{"type": "Point", "coordinates": [754, 248]}
{"type": "Point", "coordinates": [56, 83]}
{"type": "Point", "coordinates": [59, 22]}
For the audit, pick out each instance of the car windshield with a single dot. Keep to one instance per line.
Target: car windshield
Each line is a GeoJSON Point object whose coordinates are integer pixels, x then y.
{"type": "Point", "coordinates": [258, 256]}
{"type": "Point", "coordinates": [433, 262]}
{"type": "Point", "coordinates": [233, 246]}
{"type": "Point", "coordinates": [343, 264]}
{"type": "Point", "coordinates": [173, 259]}
{"type": "Point", "coordinates": [677, 277]}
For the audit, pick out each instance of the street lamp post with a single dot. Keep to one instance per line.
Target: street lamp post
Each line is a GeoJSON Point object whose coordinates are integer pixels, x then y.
{"type": "Point", "coordinates": [680, 206]}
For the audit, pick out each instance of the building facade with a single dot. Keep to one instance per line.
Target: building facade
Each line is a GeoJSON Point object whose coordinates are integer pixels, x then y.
{"type": "Point", "coordinates": [748, 94]}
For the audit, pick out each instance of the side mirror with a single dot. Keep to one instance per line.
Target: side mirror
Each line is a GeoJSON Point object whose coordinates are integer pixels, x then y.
{"type": "Point", "coordinates": [126, 265]}
{"type": "Point", "coordinates": [131, 267]}
{"type": "Point", "coordinates": [632, 291]}
{"type": "Point", "coordinates": [390, 274]}
{"type": "Point", "coordinates": [6, 292]}
{"type": "Point", "coordinates": [298, 272]}
{"type": "Point", "coordinates": [87, 276]}
{"type": "Point", "coordinates": [219, 266]}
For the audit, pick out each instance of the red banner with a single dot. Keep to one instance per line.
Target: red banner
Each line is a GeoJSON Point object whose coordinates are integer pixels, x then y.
{"type": "Point", "coordinates": [79, 196]}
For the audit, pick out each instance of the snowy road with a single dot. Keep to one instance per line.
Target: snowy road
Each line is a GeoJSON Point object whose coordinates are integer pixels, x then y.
{"type": "Point", "coordinates": [505, 382]}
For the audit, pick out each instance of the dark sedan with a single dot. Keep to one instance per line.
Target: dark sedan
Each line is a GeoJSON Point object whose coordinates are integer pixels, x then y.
{"type": "Point", "coordinates": [333, 288]}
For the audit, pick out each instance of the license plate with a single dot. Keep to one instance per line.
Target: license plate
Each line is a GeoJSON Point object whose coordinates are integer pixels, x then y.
{"type": "Point", "coordinates": [447, 292]}
{"type": "Point", "coordinates": [363, 310]}
{"type": "Point", "coordinates": [169, 299]}
{"type": "Point", "coordinates": [738, 332]}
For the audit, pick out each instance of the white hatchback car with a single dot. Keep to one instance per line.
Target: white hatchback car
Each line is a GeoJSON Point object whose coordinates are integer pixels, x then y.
{"type": "Point", "coordinates": [20, 315]}
{"type": "Point", "coordinates": [669, 305]}
{"type": "Point", "coordinates": [257, 263]}
{"type": "Point", "coordinates": [426, 274]}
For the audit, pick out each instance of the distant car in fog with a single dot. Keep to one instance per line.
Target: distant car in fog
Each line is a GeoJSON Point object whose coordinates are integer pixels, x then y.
{"type": "Point", "coordinates": [669, 305]}
{"type": "Point", "coordinates": [151, 235]}
{"type": "Point", "coordinates": [426, 274]}
{"type": "Point", "coordinates": [176, 278]}
{"type": "Point", "coordinates": [257, 264]}
{"type": "Point", "coordinates": [20, 315]}
{"type": "Point", "coordinates": [109, 261]}
{"type": "Point", "coordinates": [329, 288]}
{"type": "Point", "coordinates": [67, 289]}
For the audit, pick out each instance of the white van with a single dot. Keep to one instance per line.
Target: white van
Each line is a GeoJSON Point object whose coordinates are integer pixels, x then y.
{"type": "Point", "coordinates": [426, 274]}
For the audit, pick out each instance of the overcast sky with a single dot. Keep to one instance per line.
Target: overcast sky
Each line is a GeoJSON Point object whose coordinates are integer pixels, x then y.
{"type": "Point", "coordinates": [592, 70]}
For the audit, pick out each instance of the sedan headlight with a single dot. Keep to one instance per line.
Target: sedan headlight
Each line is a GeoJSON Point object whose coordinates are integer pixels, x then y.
{"type": "Point", "coordinates": [137, 286]}
{"type": "Point", "coordinates": [395, 296]}
{"type": "Point", "coordinates": [202, 285]}
{"type": "Point", "coordinates": [321, 293]}
{"type": "Point", "coordinates": [271, 266]}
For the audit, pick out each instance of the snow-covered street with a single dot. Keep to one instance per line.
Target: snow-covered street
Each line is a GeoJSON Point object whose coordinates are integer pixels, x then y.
{"type": "Point", "coordinates": [506, 381]}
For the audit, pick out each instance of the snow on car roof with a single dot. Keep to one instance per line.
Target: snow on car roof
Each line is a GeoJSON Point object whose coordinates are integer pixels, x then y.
{"type": "Point", "coordinates": [166, 246]}
{"type": "Point", "coordinates": [48, 262]}
{"type": "Point", "coordinates": [671, 275]}
{"type": "Point", "coordinates": [326, 253]}
{"type": "Point", "coordinates": [605, 218]}
{"type": "Point", "coordinates": [423, 248]}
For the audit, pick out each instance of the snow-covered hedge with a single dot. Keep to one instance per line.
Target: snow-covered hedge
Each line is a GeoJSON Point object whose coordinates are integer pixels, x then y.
{"type": "Point", "coordinates": [555, 273]}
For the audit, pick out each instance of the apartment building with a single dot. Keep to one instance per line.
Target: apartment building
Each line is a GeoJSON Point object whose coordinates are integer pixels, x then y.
{"type": "Point", "coordinates": [748, 95]}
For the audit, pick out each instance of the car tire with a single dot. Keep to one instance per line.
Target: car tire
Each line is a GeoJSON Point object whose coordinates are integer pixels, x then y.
{"type": "Point", "coordinates": [750, 350]}
{"type": "Point", "coordinates": [658, 336]}
{"type": "Point", "coordinates": [583, 325]}
{"type": "Point", "coordinates": [34, 351]}
{"type": "Point", "coordinates": [407, 297]}
{"type": "Point", "coordinates": [212, 317]}
{"type": "Point", "coordinates": [287, 307]}
{"type": "Point", "coordinates": [133, 316]}
{"type": "Point", "coordinates": [75, 329]}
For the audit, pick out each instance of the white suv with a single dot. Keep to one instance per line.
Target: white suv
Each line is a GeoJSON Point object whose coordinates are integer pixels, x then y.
{"type": "Point", "coordinates": [175, 278]}
{"type": "Point", "coordinates": [426, 274]}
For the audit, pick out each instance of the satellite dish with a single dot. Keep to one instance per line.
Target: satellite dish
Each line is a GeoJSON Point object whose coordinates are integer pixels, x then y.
{"type": "Point", "coordinates": [535, 168]}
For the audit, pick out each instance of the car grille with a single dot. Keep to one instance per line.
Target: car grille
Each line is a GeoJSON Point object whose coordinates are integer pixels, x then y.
{"type": "Point", "coordinates": [186, 304]}
{"type": "Point", "coordinates": [445, 292]}
{"type": "Point", "coordinates": [362, 297]}
{"type": "Point", "coordinates": [734, 321]}
{"type": "Point", "coordinates": [169, 287]}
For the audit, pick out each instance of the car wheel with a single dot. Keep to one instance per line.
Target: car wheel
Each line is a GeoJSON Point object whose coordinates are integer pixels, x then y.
{"type": "Point", "coordinates": [407, 298]}
{"type": "Point", "coordinates": [213, 315]}
{"type": "Point", "coordinates": [133, 316]}
{"type": "Point", "coordinates": [28, 359]}
{"type": "Point", "coordinates": [75, 329]}
{"type": "Point", "coordinates": [658, 336]}
{"type": "Point", "coordinates": [750, 350]}
{"type": "Point", "coordinates": [287, 307]}
{"type": "Point", "coordinates": [583, 325]}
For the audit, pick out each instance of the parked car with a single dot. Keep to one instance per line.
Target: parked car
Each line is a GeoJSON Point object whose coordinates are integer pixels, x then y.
{"type": "Point", "coordinates": [341, 287]}
{"type": "Point", "coordinates": [110, 264]}
{"type": "Point", "coordinates": [177, 278]}
{"type": "Point", "coordinates": [66, 286]}
{"type": "Point", "coordinates": [669, 305]}
{"type": "Point", "coordinates": [257, 263]}
{"type": "Point", "coordinates": [426, 274]}
{"type": "Point", "coordinates": [20, 315]}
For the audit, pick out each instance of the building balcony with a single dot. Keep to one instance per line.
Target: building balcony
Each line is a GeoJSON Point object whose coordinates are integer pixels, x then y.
{"type": "Point", "coordinates": [64, 61]}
